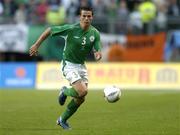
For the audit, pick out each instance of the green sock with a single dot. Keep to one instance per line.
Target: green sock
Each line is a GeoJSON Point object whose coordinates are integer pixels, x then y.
{"type": "Point", "coordinates": [70, 110]}
{"type": "Point", "coordinates": [71, 92]}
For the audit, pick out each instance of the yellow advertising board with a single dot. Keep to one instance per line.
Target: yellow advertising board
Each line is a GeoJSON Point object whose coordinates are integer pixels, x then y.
{"type": "Point", "coordinates": [135, 75]}
{"type": "Point", "coordinates": [124, 75]}
{"type": "Point", "coordinates": [49, 76]}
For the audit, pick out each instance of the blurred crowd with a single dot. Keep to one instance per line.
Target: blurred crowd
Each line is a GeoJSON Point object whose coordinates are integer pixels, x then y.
{"type": "Point", "coordinates": [125, 15]}
{"type": "Point", "coordinates": [110, 16]}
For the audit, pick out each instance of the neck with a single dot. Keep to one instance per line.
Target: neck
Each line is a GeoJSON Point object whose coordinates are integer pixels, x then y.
{"type": "Point", "coordinates": [84, 27]}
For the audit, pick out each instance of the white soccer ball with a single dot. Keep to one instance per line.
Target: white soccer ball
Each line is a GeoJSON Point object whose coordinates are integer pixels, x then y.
{"type": "Point", "coordinates": [112, 93]}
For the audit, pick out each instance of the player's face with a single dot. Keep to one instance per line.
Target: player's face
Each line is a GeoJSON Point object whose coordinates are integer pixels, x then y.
{"type": "Point", "coordinates": [86, 18]}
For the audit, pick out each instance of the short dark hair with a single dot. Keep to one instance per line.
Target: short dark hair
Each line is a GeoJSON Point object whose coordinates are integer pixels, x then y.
{"type": "Point", "coordinates": [86, 8]}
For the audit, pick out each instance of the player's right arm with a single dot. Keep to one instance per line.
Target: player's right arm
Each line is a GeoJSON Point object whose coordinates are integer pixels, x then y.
{"type": "Point", "coordinates": [51, 31]}
{"type": "Point", "coordinates": [34, 48]}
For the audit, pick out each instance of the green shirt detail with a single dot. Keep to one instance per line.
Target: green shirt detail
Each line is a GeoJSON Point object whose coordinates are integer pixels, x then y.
{"type": "Point", "coordinates": [78, 43]}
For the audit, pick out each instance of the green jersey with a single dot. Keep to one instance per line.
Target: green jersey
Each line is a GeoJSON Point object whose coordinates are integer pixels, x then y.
{"type": "Point", "coordinates": [78, 42]}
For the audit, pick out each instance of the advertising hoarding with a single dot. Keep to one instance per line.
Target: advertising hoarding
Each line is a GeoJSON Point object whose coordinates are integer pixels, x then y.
{"type": "Point", "coordinates": [18, 75]}
{"type": "Point", "coordinates": [124, 75]}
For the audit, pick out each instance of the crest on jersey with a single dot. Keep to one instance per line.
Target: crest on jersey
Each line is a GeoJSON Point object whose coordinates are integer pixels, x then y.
{"type": "Point", "coordinates": [91, 38]}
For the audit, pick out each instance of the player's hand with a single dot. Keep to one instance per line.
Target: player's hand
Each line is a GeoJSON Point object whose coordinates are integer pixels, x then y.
{"type": "Point", "coordinates": [33, 51]}
{"type": "Point", "coordinates": [97, 55]}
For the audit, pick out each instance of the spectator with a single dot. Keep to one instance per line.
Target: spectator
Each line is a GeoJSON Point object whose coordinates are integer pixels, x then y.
{"type": "Point", "coordinates": [161, 19]}
{"type": "Point", "coordinates": [71, 13]}
{"type": "Point", "coordinates": [148, 14]}
{"type": "Point", "coordinates": [62, 14]}
{"type": "Point", "coordinates": [112, 9]}
{"type": "Point", "coordinates": [42, 8]}
{"type": "Point", "coordinates": [111, 15]}
{"type": "Point", "coordinates": [100, 14]}
{"type": "Point", "coordinates": [20, 15]}
{"type": "Point", "coordinates": [66, 3]}
{"type": "Point", "coordinates": [122, 15]}
{"type": "Point", "coordinates": [174, 8]}
{"type": "Point", "coordinates": [1, 8]}
{"type": "Point", "coordinates": [32, 17]}
{"type": "Point", "coordinates": [99, 8]}
{"type": "Point", "coordinates": [122, 10]}
{"type": "Point", "coordinates": [160, 2]}
{"type": "Point", "coordinates": [131, 4]}
{"type": "Point", "coordinates": [1, 12]}
{"type": "Point", "coordinates": [135, 20]}
{"type": "Point", "coordinates": [9, 7]}
{"type": "Point", "coordinates": [56, 13]}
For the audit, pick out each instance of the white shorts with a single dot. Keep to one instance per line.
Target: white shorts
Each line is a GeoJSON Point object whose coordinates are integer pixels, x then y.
{"type": "Point", "coordinates": [74, 72]}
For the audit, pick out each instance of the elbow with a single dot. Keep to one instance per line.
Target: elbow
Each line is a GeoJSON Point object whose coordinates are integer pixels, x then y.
{"type": "Point", "coordinates": [48, 31]}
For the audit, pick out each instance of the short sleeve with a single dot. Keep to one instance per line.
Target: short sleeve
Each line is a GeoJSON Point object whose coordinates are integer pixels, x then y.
{"type": "Point", "coordinates": [97, 43]}
{"type": "Point", "coordinates": [60, 30]}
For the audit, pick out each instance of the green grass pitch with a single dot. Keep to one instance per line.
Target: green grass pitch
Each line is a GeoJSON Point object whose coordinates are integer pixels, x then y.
{"type": "Point", "coordinates": [32, 112]}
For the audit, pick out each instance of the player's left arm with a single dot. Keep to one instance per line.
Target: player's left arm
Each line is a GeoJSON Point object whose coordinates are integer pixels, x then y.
{"type": "Point", "coordinates": [97, 47]}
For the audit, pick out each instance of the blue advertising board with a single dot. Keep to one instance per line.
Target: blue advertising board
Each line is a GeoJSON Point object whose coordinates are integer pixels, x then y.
{"type": "Point", "coordinates": [18, 75]}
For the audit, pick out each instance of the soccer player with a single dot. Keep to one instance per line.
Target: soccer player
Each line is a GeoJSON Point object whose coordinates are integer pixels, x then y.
{"type": "Point", "coordinates": [80, 40]}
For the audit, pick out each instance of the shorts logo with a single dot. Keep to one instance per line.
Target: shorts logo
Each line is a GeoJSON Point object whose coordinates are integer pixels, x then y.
{"type": "Point", "coordinates": [91, 38]}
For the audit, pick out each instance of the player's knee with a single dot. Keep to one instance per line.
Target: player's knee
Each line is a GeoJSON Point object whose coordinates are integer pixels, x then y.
{"type": "Point", "coordinates": [81, 88]}
{"type": "Point", "coordinates": [82, 91]}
